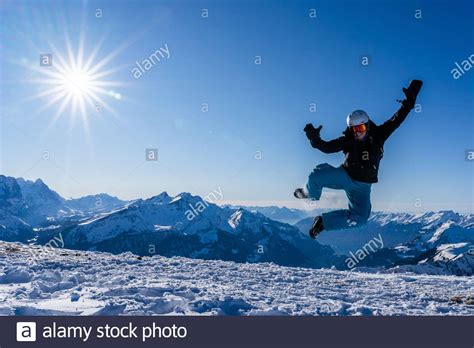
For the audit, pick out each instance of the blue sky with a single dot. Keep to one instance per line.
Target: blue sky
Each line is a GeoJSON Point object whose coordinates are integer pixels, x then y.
{"type": "Point", "coordinates": [253, 108]}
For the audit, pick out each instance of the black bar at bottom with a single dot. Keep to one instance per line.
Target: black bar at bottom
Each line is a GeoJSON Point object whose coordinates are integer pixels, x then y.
{"type": "Point", "coordinates": [433, 332]}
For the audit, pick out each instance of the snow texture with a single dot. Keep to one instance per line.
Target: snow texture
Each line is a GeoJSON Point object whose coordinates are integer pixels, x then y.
{"type": "Point", "coordinates": [45, 281]}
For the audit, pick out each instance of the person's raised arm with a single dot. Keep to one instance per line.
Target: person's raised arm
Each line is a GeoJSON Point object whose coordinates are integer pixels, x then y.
{"type": "Point", "coordinates": [313, 134]}
{"type": "Point", "coordinates": [389, 126]}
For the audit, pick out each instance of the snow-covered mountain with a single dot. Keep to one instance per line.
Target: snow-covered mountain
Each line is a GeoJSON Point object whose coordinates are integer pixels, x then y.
{"type": "Point", "coordinates": [186, 225]}
{"type": "Point", "coordinates": [39, 201]}
{"type": "Point", "coordinates": [46, 281]}
{"type": "Point", "coordinates": [36, 204]}
{"type": "Point", "coordinates": [101, 202]}
{"type": "Point", "coordinates": [433, 242]}
{"type": "Point", "coordinates": [282, 214]}
{"type": "Point", "coordinates": [12, 226]}
{"type": "Point", "coordinates": [15, 229]}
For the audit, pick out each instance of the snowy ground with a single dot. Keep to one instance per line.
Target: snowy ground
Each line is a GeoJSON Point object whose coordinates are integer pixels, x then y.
{"type": "Point", "coordinates": [68, 282]}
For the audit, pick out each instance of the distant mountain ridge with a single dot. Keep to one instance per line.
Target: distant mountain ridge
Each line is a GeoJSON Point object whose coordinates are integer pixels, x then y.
{"type": "Point", "coordinates": [163, 225]}
{"type": "Point", "coordinates": [26, 205]}
{"type": "Point", "coordinates": [434, 242]}
{"type": "Point", "coordinates": [186, 225]}
{"type": "Point", "coordinates": [282, 214]}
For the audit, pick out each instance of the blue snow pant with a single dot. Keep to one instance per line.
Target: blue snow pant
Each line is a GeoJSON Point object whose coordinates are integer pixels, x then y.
{"type": "Point", "coordinates": [358, 193]}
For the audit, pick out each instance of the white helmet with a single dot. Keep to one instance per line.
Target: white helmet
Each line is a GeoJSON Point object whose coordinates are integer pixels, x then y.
{"type": "Point", "coordinates": [357, 117]}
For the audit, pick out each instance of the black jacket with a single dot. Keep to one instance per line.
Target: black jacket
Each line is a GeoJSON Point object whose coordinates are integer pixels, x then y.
{"type": "Point", "coordinates": [363, 157]}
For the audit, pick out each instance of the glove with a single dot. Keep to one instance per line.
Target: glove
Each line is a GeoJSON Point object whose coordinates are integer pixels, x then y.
{"type": "Point", "coordinates": [412, 91]}
{"type": "Point", "coordinates": [311, 132]}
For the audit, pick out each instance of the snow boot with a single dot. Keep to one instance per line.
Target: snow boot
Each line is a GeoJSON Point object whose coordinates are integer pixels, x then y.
{"type": "Point", "coordinates": [300, 194]}
{"type": "Point", "coordinates": [317, 227]}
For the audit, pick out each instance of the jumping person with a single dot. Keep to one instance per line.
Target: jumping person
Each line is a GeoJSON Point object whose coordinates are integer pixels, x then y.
{"type": "Point", "coordinates": [362, 143]}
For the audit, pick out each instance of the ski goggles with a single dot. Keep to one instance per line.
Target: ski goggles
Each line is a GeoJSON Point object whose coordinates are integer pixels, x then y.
{"type": "Point", "coordinates": [361, 128]}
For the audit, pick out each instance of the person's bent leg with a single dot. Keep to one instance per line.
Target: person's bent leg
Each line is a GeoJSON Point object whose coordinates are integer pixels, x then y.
{"type": "Point", "coordinates": [336, 219]}
{"type": "Point", "coordinates": [325, 175]}
{"type": "Point", "coordinates": [359, 203]}
{"type": "Point", "coordinates": [359, 209]}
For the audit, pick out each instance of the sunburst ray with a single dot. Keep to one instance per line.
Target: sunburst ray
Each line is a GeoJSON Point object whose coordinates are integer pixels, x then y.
{"type": "Point", "coordinates": [77, 82]}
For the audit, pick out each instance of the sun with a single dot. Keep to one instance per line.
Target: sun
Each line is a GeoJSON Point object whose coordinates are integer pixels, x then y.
{"type": "Point", "coordinates": [78, 85]}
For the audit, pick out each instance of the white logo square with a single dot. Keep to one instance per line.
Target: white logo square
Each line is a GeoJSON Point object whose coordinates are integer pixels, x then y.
{"type": "Point", "coordinates": [26, 331]}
